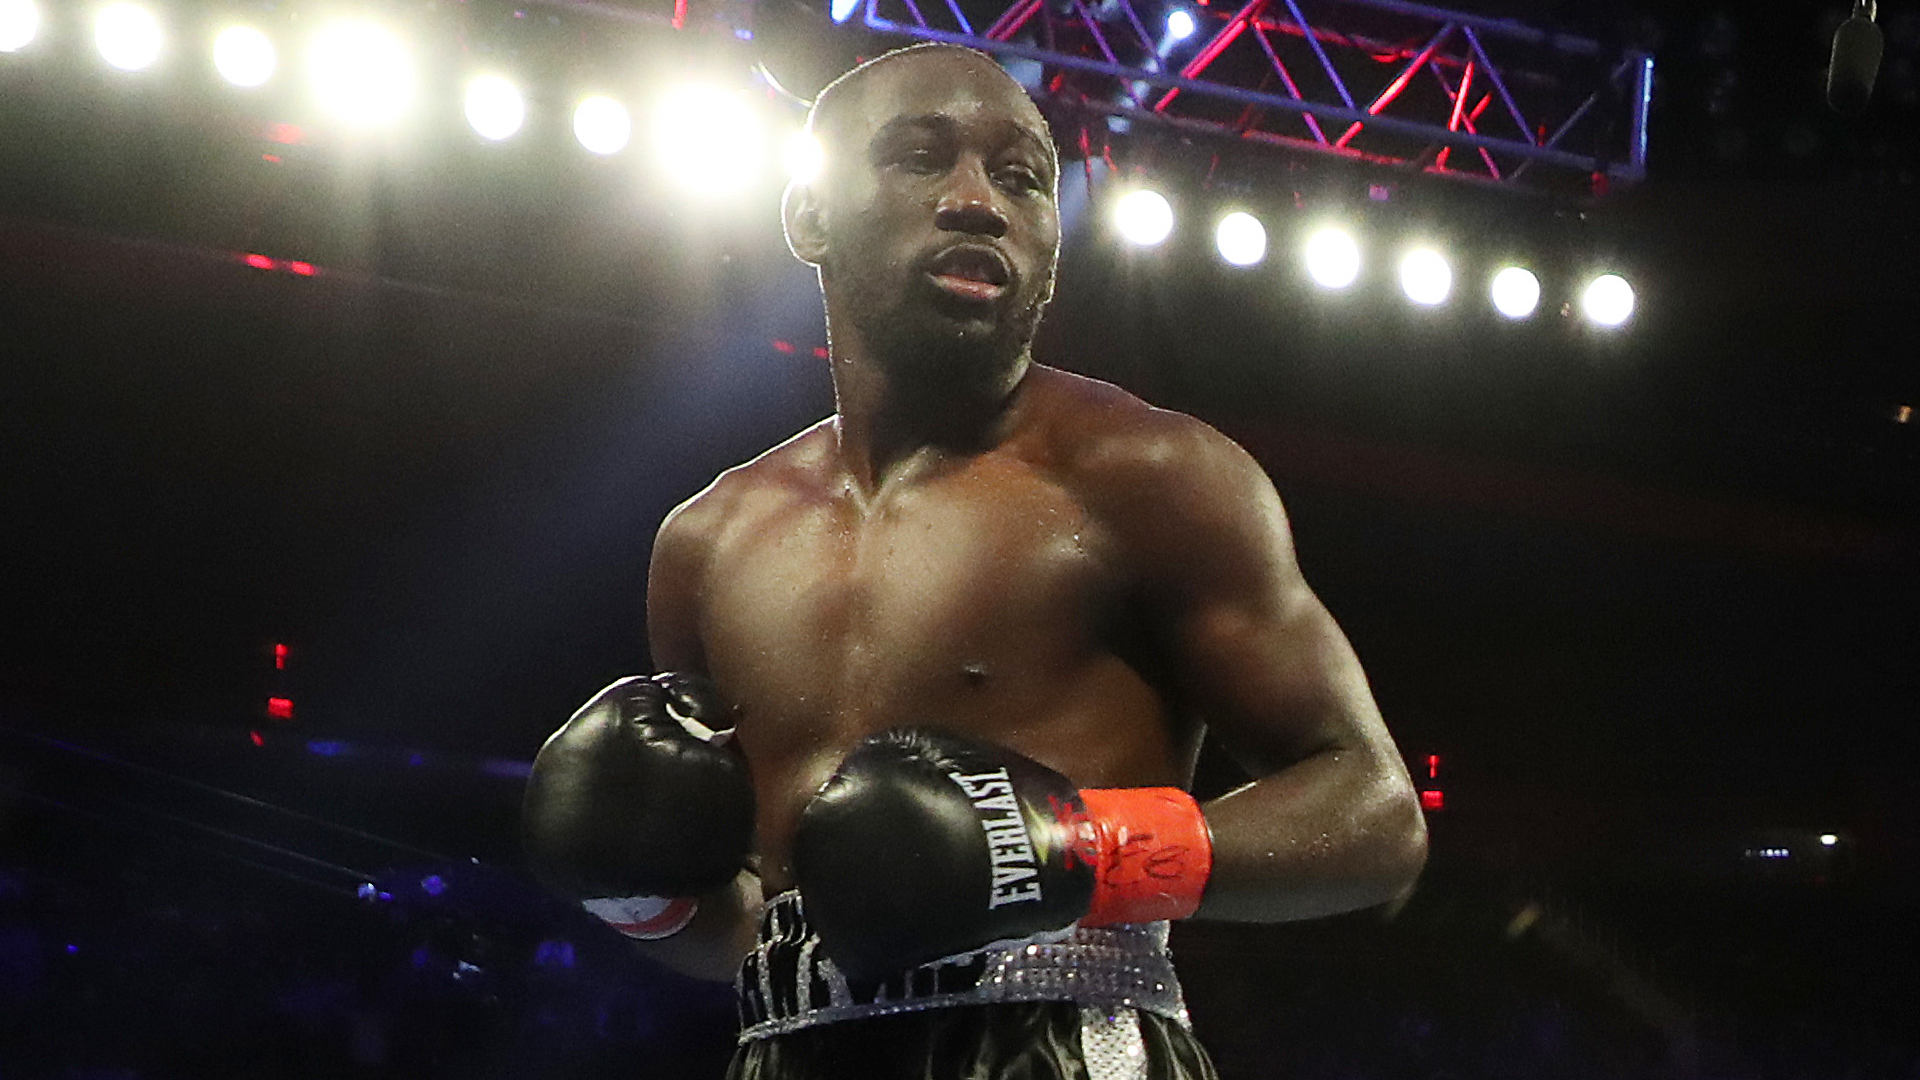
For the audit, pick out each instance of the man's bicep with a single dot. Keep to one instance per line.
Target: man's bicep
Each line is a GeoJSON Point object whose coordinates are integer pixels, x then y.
{"type": "Point", "coordinates": [673, 592]}
{"type": "Point", "coordinates": [1261, 659]}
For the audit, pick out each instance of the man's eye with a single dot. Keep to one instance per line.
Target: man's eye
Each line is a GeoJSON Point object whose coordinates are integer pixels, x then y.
{"type": "Point", "coordinates": [1020, 178]}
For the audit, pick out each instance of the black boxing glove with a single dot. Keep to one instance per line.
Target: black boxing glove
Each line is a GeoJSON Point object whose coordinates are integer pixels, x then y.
{"type": "Point", "coordinates": [927, 844]}
{"type": "Point", "coordinates": [639, 802]}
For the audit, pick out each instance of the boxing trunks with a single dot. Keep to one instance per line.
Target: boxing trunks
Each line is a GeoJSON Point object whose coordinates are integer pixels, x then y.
{"type": "Point", "coordinates": [1099, 1004]}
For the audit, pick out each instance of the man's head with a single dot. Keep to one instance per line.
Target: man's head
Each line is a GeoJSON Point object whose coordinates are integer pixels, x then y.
{"type": "Point", "coordinates": [935, 222]}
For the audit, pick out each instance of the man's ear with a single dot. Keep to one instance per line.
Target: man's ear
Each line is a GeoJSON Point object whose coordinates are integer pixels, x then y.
{"type": "Point", "coordinates": [805, 224]}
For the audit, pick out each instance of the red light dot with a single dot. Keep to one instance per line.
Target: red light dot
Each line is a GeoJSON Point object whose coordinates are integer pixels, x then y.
{"type": "Point", "coordinates": [1433, 799]}
{"type": "Point", "coordinates": [254, 738]}
{"type": "Point", "coordinates": [286, 134]}
{"type": "Point", "coordinates": [820, 353]}
{"type": "Point", "coordinates": [783, 346]}
{"type": "Point", "coordinates": [1433, 766]}
{"type": "Point", "coordinates": [274, 158]}
{"type": "Point", "coordinates": [259, 262]}
{"type": "Point", "coordinates": [280, 708]}
{"type": "Point", "coordinates": [280, 657]}
{"type": "Point", "coordinates": [304, 269]}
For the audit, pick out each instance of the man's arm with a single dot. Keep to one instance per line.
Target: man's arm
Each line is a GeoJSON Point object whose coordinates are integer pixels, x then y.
{"type": "Point", "coordinates": [1332, 824]}
{"type": "Point", "coordinates": [713, 944]}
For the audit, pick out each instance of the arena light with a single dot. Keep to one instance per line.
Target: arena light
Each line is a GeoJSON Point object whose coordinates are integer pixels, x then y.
{"type": "Point", "coordinates": [602, 125]}
{"type": "Point", "coordinates": [805, 159]}
{"type": "Point", "coordinates": [1332, 258]}
{"type": "Point", "coordinates": [1240, 239]}
{"type": "Point", "coordinates": [707, 141]}
{"type": "Point", "coordinates": [128, 36]}
{"type": "Point", "coordinates": [1144, 217]}
{"type": "Point", "coordinates": [1425, 277]}
{"type": "Point", "coordinates": [495, 108]}
{"type": "Point", "coordinates": [1180, 25]}
{"type": "Point", "coordinates": [842, 10]}
{"type": "Point", "coordinates": [1607, 300]}
{"type": "Point", "coordinates": [1515, 292]}
{"type": "Point", "coordinates": [19, 24]}
{"type": "Point", "coordinates": [362, 73]}
{"type": "Point", "coordinates": [244, 56]}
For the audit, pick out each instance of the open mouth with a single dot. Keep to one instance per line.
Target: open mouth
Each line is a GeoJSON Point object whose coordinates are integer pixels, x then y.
{"type": "Point", "coordinates": [970, 272]}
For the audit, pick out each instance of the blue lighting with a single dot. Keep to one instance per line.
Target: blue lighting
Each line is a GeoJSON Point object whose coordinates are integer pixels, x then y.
{"type": "Point", "coordinates": [1180, 25]}
{"type": "Point", "coordinates": [844, 9]}
{"type": "Point", "coordinates": [327, 747]}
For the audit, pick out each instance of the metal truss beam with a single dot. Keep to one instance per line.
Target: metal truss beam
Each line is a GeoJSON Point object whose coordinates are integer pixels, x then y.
{"type": "Point", "coordinates": [1387, 82]}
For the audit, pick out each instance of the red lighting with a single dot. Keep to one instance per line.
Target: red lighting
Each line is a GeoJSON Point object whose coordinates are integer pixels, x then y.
{"type": "Point", "coordinates": [254, 738]}
{"type": "Point", "coordinates": [820, 353]}
{"type": "Point", "coordinates": [783, 346]}
{"type": "Point", "coordinates": [1433, 799]}
{"type": "Point", "coordinates": [1433, 766]}
{"type": "Point", "coordinates": [280, 657]}
{"type": "Point", "coordinates": [280, 708]}
{"type": "Point", "coordinates": [258, 262]}
{"type": "Point", "coordinates": [286, 134]}
{"type": "Point", "coordinates": [304, 269]}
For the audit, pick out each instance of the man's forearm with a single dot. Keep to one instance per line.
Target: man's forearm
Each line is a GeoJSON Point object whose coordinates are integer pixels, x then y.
{"type": "Point", "coordinates": [1334, 832]}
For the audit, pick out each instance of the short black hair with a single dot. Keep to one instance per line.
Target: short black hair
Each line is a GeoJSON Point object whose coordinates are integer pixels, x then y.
{"type": "Point", "coordinates": [831, 104]}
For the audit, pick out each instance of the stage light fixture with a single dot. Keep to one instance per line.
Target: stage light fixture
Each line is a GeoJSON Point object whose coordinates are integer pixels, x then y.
{"type": "Point", "coordinates": [1241, 239]}
{"type": "Point", "coordinates": [602, 125]}
{"type": "Point", "coordinates": [1425, 277]}
{"type": "Point", "coordinates": [1515, 292]}
{"type": "Point", "coordinates": [842, 10]}
{"type": "Point", "coordinates": [1180, 25]}
{"type": "Point", "coordinates": [1144, 217]}
{"type": "Point", "coordinates": [1332, 258]}
{"type": "Point", "coordinates": [707, 140]}
{"type": "Point", "coordinates": [494, 107]}
{"type": "Point", "coordinates": [804, 157]}
{"type": "Point", "coordinates": [128, 36]}
{"type": "Point", "coordinates": [1607, 300]}
{"type": "Point", "coordinates": [362, 73]}
{"type": "Point", "coordinates": [244, 56]}
{"type": "Point", "coordinates": [19, 24]}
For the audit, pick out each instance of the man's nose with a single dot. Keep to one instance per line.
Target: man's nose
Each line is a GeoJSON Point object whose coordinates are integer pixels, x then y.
{"type": "Point", "coordinates": [970, 203]}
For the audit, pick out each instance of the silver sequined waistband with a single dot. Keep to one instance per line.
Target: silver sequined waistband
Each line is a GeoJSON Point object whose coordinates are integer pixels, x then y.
{"type": "Point", "coordinates": [787, 982]}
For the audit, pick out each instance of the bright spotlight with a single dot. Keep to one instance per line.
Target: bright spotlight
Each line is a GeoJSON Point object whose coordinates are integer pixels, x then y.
{"type": "Point", "coordinates": [602, 125]}
{"type": "Point", "coordinates": [362, 73]}
{"type": "Point", "coordinates": [1333, 259]}
{"type": "Point", "coordinates": [1425, 277]}
{"type": "Point", "coordinates": [1241, 239]}
{"type": "Point", "coordinates": [19, 24]}
{"type": "Point", "coordinates": [1144, 217]}
{"type": "Point", "coordinates": [1828, 839]}
{"type": "Point", "coordinates": [804, 157]}
{"type": "Point", "coordinates": [1607, 300]}
{"type": "Point", "coordinates": [842, 10]}
{"type": "Point", "coordinates": [127, 35]}
{"type": "Point", "coordinates": [1180, 25]}
{"type": "Point", "coordinates": [1515, 292]}
{"type": "Point", "coordinates": [707, 140]}
{"type": "Point", "coordinates": [244, 56]}
{"type": "Point", "coordinates": [494, 107]}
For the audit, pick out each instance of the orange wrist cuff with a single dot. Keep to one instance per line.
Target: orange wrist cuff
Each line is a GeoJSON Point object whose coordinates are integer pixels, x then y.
{"type": "Point", "coordinates": [1156, 854]}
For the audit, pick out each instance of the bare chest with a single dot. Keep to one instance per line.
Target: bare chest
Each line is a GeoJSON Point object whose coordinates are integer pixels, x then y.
{"type": "Point", "coordinates": [857, 618]}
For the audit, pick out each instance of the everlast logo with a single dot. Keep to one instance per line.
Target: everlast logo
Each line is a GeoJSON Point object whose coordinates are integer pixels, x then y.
{"type": "Point", "coordinates": [1016, 876]}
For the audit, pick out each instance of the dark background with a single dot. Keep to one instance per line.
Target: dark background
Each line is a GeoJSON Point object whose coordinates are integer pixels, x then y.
{"type": "Point", "coordinates": [1649, 594]}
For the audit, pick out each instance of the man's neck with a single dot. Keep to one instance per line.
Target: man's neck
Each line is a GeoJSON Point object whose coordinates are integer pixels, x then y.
{"type": "Point", "coordinates": [885, 428]}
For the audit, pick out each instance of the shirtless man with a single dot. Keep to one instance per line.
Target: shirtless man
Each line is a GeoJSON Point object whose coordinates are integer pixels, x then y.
{"type": "Point", "coordinates": [1052, 586]}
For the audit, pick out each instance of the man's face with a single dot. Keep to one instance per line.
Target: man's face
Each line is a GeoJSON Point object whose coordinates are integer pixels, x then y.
{"type": "Point", "coordinates": [942, 225]}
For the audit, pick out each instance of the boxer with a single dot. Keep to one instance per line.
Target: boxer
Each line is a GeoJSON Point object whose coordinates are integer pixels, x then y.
{"type": "Point", "coordinates": [939, 666]}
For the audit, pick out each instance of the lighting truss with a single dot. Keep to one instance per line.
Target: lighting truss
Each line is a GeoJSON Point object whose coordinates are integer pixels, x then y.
{"type": "Point", "coordinates": [1385, 82]}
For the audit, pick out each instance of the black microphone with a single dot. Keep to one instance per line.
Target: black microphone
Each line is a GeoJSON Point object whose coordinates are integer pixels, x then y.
{"type": "Point", "coordinates": [1856, 59]}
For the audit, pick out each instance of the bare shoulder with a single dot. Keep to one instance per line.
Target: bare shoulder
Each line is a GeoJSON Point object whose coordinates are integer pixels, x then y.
{"type": "Point", "coordinates": [791, 470]}
{"type": "Point", "coordinates": [1100, 436]}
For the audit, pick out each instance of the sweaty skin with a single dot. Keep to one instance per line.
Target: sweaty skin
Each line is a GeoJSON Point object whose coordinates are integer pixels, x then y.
{"type": "Point", "coordinates": [981, 543]}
